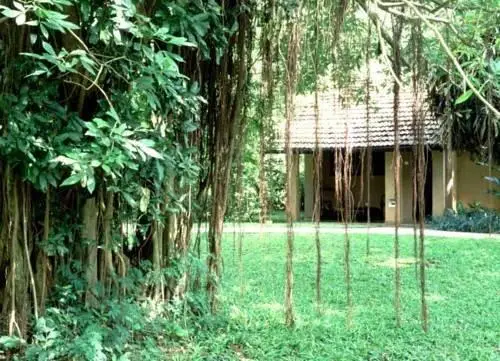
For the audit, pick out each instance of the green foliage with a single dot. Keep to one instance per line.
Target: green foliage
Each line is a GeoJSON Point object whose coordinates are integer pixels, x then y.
{"type": "Point", "coordinates": [495, 181]}
{"type": "Point", "coordinates": [118, 330]}
{"type": "Point", "coordinates": [122, 327]}
{"type": "Point", "coordinates": [276, 173]}
{"type": "Point", "coordinates": [10, 343]}
{"type": "Point", "coordinates": [108, 98]}
{"type": "Point", "coordinates": [474, 218]}
{"type": "Point", "coordinates": [53, 142]}
{"type": "Point", "coordinates": [275, 177]}
{"type": "Point", "coordinates": [476, 49]}
{"type": "Point", "coordinates": [103, 100]}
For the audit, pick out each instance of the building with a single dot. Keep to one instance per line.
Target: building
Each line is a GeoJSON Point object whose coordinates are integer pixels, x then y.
{"type": "Point", "coordinates": [451, 176]}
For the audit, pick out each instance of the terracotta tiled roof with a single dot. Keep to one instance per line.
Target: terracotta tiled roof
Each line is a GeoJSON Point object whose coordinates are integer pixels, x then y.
{"type": "Point", "coordinates": [341, 124]}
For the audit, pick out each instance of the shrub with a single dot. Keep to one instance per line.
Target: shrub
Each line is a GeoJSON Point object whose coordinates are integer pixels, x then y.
{"type": "Point", "coordinates": [123, 326]}
{"type": "Point", "coordinates": [276, 188]}
{"type": "Point", "coordinates": [474, 218]}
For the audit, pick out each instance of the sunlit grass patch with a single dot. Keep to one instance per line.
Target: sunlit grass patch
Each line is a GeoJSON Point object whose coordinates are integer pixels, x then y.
{"type": "Point", "coordinates": [463, 286]}
{"type": "Point", "coordinates": [401, 262]}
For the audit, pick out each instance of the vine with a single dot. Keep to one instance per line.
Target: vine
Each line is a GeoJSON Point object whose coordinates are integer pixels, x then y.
{"type": "Point", "coordinates": [317, 157]}
{"type": "Point", "coordinates": [291, 83]}
{"type": "Point", "coordinates": [397, 29]}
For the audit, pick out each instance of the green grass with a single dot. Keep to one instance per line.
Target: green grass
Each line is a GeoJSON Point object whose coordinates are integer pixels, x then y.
{"type": "Point", "coordinates": [463, 280]}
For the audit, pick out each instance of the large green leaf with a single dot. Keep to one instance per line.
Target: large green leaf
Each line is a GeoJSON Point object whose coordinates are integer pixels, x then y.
{"type": "Point", "coordinates": [73, 179]}
{"type": "Point", "coordinates": [464, 97]}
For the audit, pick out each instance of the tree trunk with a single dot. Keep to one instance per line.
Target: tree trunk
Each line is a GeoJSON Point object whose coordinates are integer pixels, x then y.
{"type": "Point", "coordinates": [42, 261]}
{"type": "Point", "coordinates": [226, 123]}
{"type": "Point", "coordinates": [291, 82]}
{"type": "Point", "coordinates": [16, 301]}
{"type": "Point", "coordinates": [170, 250]}
{"type": "Point", "coordinates": [157, 238]}
{"type": "Point", "coordinates": [89, 234]}
{"type": "Point", "coordinates": [107, 267]}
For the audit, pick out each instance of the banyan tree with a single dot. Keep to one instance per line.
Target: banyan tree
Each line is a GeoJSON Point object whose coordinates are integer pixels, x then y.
{"type": "Point", "coordinates": [121, 123]}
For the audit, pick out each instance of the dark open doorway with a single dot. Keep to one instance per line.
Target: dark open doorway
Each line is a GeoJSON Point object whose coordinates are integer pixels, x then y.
{"type": "Point", "coordinates": [331, 210]}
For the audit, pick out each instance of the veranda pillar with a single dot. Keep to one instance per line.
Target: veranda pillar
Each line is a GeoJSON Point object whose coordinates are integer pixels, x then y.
{"type": "Point", "coordinates": [308, 186]}
{"type": "Point", "coordinates": [444, 179]}
{"type": "Point", "coordinates": [390, 198]}
{"type": "Point", "coordinates": [295, 186]}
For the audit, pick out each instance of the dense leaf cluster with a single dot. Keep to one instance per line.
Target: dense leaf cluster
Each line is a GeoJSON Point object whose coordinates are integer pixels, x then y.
{"type": "Point", "coordinates": [101, 117]}
{"type": "Point", "coordinates": [100, 90]}
{"type": "Point", "coordinates": [474, 218]}
{"type": "Point", "coordinates": [469, 123]}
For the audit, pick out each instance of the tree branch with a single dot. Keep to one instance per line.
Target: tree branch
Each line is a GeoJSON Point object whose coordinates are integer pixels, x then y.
{"type": "Point", "coordinates": [376, 21]}
{"type": "Point", "coordinates": [82, 43]}
{"type": "Point", "coordinates": [454, 60]}
{"type": "Point", "coordinates": [440, 5]}
{"type": "Point", "coordinates": [386, 58]}
{"type": "Point", "coordinates": [93, 83]}
{"type": "Point", "coordinates": [400, 3]}
{"type": "Point", "coordinates": [390, 10]}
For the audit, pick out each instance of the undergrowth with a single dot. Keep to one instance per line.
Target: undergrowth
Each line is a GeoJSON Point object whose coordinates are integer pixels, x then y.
{"type": "Point", "coordinates": [127, 326]}
{"type": "Point", "coordinates": [474, 218]}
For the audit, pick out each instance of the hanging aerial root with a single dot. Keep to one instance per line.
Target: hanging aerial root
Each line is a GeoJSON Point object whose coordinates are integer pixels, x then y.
{"type": "Point", "coordinates": [317, 156]}
{"type": "Point", "coordinates": [421, 166]}
{"type": "Point", "coordinates": [368, 140]}
{"type": "Point", "coordinates": [415, 125]}
{"type": "Point", "coordinates": [397, 30]}
{"type": "Point", "coordinates": [26, 217]}
{"type": "Point", "coordinates": [347, 218]}
{"type": "Point", "coordinates": [343, 190]}
{"type": "Point", "coordinates": [267, 93]}
{"type": "Point", "coordinates": [290, 81]}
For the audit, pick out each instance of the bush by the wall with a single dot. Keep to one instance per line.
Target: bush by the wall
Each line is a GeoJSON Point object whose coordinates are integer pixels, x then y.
{"type": "Point", "coordinates": [474, 218]}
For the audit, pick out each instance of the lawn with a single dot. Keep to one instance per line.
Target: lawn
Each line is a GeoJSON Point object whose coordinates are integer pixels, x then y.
{"type": "Point", "coordinates": [463, 295]}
